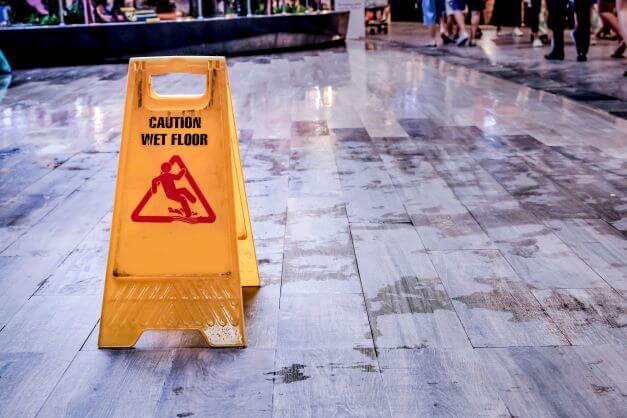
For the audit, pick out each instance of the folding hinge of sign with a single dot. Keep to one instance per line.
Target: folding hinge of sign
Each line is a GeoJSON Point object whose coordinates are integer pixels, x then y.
{"type": "Point", "coordinates": [211, 84]}
{"type": "Point", "coordinates": [139, 69]}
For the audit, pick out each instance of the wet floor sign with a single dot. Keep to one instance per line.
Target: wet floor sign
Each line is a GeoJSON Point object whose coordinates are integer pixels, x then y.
{"type": "Point", "coordinates": [181, 241]}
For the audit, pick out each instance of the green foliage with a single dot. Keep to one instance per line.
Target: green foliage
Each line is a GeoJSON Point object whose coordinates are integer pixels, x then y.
{"type": "Point", "coordinates": [295, 8]}
{"type": "Point", "coordinates": [75, 14]}
{"type": "Point", "coordinates": [42, 20]}
{"type": "Point", "coordinates": [49, 20]}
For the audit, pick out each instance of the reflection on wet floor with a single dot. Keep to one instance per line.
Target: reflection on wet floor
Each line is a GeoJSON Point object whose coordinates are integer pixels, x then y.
{"type": "Point", "coordinates": [432, 241]}
{"type": "Point", "coordinates": [599, 82]}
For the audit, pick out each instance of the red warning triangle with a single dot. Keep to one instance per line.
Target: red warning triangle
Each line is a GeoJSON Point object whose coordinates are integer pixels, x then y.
{"type": "Point", "coordinates": [181, 197]}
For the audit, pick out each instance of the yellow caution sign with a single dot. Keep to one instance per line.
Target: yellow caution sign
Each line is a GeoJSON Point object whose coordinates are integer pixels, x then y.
{"type": "Point", "coordinates": [181, 239]}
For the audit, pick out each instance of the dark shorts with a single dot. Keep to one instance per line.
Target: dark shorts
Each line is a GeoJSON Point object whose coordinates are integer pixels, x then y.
{"type": "Point", "coordinates": [457, 5]}
{"type": "Point", "coordinates": [476, 5]}
{"type": "Point", "coordinates": [607, 6]}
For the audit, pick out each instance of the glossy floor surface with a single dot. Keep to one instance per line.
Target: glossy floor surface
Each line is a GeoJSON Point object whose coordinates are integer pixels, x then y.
{"type": "Point", "coordinates": [599, 82]}
{"type": "Point", "coordinates": [433, 241]}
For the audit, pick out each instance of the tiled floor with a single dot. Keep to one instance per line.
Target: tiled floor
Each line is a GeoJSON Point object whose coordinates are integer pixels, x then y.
{"type": "Point", "coordinates": [599, 82]}
{"type": "Point", "coordinates": [433, 241]}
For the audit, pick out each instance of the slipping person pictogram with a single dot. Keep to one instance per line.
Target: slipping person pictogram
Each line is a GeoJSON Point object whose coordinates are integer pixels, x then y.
{"type": "Point", "coordinates": [181, 195]}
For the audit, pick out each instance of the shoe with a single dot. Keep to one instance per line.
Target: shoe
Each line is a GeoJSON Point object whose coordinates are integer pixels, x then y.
{"type": "Point", "coordinates": [431, 44]}
{"type": "Point", "coordinates": [537, 43]}
{"type": "Point", "coordinates": [545, 39]}
{"type": "Point", "coordinates": [554, 56]}
{"type": "Point", "coordinates": [463, 39]}
{"type": "Point", "coordinates": [618, 53]}
{"type": "Point", "coordinates": [471, 44]}
{"type": "Point", "coordinates": [517, 32]}
{"type": "Point", "coordinates": [479, 33]}
{"type": "Point", "coordinates": [582, 58]}
{"type": "Point", "coordinates": [445, 39]}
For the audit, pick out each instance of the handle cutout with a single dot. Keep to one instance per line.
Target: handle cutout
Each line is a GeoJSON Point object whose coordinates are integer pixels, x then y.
{"type": "Point", "coordinates": [179, 84]}
{"type": "Point", "coordinates": [148, 68]}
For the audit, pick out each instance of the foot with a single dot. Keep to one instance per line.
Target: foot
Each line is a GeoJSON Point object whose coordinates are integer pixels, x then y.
{"type": "Point", "coordinates": [517, 32]}
{"type": "Point", "coordinates": [555, 56]}
{"type": "Point", "coordinates": [471, 43]}
{"type": "Point", "coordinates": [431, 44]}
{"type": "Point", "coordinates": [582, 58]}
{"type": "Point", "coordinates": [463, 39]}
{"type": "Point", "coordinates": [618, 52]}
{"type": "Point", "coordinates": [537, 43]}
{"type": "Point", "coordinates": [445, 39]}
{"type": "Point", "coordinates": [479, 34]}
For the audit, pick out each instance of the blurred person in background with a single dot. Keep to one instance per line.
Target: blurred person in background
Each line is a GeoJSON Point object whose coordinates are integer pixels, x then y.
{"type": "Point", "coordinates": [621, 9]}
{"type": "Point", "coordinates": [583, 9]}
{"type": "Point", "coordinates": [432, 15]}
{"type": "Point", "coordinates": [458, 7]}
{"type": "Point", "coordinates": [557, 24]}
{"type": "Point", "coordinates": [606, 12]}
{"type": "Point", "coordinates": [476, 8]}
{"type": "Point", "coordinates": [533, 9]}
{"type": "Point", "coordinates": [507, 13]}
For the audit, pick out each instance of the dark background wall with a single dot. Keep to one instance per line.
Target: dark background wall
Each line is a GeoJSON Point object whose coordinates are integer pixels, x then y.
{"type": "Point", "coordinates": [406, 10]}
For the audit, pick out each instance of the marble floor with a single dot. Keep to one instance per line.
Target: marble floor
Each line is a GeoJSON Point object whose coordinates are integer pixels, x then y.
{"type": "Point", "coordinates": [433, 241]}
{"type": "Point", "coordinates": [599, 82]}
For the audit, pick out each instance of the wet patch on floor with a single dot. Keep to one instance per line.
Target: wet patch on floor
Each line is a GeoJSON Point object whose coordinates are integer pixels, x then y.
{"type": "Point", "coordinates": [310, 128]}
{"type": "Point", "coordinates": [290, 374]}
{"type": "Point", "coordinates": [506, 296]}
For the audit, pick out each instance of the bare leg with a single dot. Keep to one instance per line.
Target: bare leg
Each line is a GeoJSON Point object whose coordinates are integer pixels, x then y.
{"type": "Point", "coordinates": [621, 8]}
{"type": "Point", "coordinates": [463, 35]}
{"type": "Point", "coordinates": [459, 19]}
{"type": "Point", "coordinates": [612, 21]}
{"type": "Point", "coordinates": [475, 18]}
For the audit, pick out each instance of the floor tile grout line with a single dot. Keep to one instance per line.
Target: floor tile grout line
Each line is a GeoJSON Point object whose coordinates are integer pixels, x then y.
{"type": "Point", "coordinates": [429, 256]}
{"type": "Point", "coordinates": [560, 187]}
{"type": "Point", "coordinates": [560, 149]}
{"type": "Point", "coordinates": [491, 238]}
{"type": "Point", "coordinates": [602, 113]}
{"type": "Point", "coordinates": [89, 335]}
{"type": "Point", "coordinates": [609, 285]}
{"type": "Point", "coordinates": [531, 214]}
{"type": "Point", "coordinates": [534, 168]}
{"type": "Point", "coordinates": [72, 251]}
{"type": "Point", "coordinates": [60, 201]}
{"type": "Point", "coordinates": [354, 255]}
{"type": "Point", "coordinates": [56, 384]}
{"type": "Point", "coordinates": [363, 294]}
{"type": "Point", "coordinates": [276, 348]}
{"type": "Point", "coordinates": [43, 282]}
